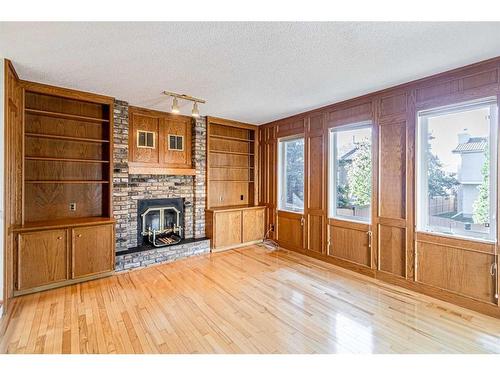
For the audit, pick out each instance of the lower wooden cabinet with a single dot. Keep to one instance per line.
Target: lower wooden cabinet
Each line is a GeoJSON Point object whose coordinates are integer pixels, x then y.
{"type": "Point", "coordinates": [91, 255]}
{"type": "Point", "coordinates": [52, 257]}
{"type": "Point", "coordinates": [232, 227]}
{"type": "Point", "coordinates": [252, 225]}
{"type": "Point", "coordinates": [42, 258]}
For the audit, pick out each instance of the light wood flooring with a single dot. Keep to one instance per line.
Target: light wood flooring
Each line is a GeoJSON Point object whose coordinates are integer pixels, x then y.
{"type": "Point", "coordinates": [250, 300]}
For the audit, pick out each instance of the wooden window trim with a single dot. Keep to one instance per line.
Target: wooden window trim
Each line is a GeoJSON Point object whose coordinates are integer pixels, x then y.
{"type": "Point", "coordinates": [175, 149]}
{"type": "Point", "coordinates": [147, 132]}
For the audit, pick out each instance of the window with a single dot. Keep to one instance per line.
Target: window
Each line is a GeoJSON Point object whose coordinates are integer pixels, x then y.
{"type": "Point", "coordinates": [175, 142]}
{"type": "Point", "coordinates": [291, 174]}
{"type": "Point", "coordinates": [145, 139]}
{"type": "Point", "coordinates": [457, 154]}
{"type": "Point", "coordinates": [350, 177]}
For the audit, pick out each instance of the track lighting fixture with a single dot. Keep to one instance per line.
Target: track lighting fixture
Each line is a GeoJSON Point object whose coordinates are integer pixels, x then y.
{"type": "Point", "coordinates": [175, 103]}
{"type": "Point", "coordinates": [195, 112]}
{"type": "Point", "coordinates": [175, 106]}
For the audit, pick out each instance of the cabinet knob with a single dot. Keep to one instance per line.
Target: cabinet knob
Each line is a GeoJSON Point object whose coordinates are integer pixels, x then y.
{"type": "Point", "coordinates": [79, 235]}
{"type": "Point", "coordinates": [59, 238]}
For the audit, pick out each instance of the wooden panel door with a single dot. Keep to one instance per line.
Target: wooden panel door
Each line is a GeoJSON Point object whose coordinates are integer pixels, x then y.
{"type": "Point", "coordinates": [457, 265]}
{"type": "Point", "coordinates": [151, 124]}
{"type": "Point", "coordinates": [290, 234]}
{"type": "Point", "coordinates": [93, 250]}
{"type": "Point", "coordinates": [227, 229]}
{"type": "Point", "coordinates": [253, 225]}
{"type": "Point", "coordinates": [350, 241]}
{"type": "Point", "coordinates": [172, 157]}
{"type": "Point", "coordinates": [42, 258]}
{"type": "Point", "coordinates": [315, 202]}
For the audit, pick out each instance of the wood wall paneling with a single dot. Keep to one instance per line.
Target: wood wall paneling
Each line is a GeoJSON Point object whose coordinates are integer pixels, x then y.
{"type": "Point", "coordinates": [392, 170]}
{"type": "Point", "coordinates": [315, 184]}
{"type": "Point", "coordinates": [394, 256]}
{"type": "Point", "coordinates": [392, 245]}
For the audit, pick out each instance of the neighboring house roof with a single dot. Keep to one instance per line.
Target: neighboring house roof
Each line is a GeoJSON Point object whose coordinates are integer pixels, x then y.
{"type": "Point", "coordinates": [474, 144]}
{"type": "Point", "coordinates": [350, 154]}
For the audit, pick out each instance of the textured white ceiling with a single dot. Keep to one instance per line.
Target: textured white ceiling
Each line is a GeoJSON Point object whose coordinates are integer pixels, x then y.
{"type": "Point", "coordinates": [253, 72]}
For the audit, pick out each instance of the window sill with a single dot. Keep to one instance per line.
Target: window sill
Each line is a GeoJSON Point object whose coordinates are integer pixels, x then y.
{"type": "Point", "coordinates": [456, 237]}
{"type": "Point", "coordinates": [290, 211]}
{"type": "Point", "coordinates": [341, 218]}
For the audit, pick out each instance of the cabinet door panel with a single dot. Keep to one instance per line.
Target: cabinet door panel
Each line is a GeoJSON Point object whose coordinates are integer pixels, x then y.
{"type": "Point", "coordinates": [227, 228]}
{"type": "Point", "coordinates": [290, 230]}
{"type": "Point", "coordinates": [42, 258]}
{"type": "Point", "coordinates": [253, 225]}
{"type": "Point", "coordinates": [93, 250]}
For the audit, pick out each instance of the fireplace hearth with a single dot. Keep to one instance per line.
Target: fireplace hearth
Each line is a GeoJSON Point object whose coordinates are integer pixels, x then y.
{"type": "Point", "coordinates": [160, 221]}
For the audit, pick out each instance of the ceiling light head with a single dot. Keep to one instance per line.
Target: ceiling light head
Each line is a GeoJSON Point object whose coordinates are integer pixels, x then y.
{"type": "Point", "coordinates": [175, 106]}
{"type": "Point", "coordinates": [195, 112]}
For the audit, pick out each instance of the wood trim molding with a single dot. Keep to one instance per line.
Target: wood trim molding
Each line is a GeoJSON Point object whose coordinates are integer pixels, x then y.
{"type": "Point", "coordinates": [66, 92]}
{"type": "Point", "coordinates": [155, 113]}
{"type": "Point", "coordinates": [232, 123]}
{"type": "Point", "coordinates": [141, 169]}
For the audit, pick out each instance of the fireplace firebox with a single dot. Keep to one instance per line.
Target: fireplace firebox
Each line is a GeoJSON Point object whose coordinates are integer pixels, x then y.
{"type": "Point", "coordinates": [160, 221]}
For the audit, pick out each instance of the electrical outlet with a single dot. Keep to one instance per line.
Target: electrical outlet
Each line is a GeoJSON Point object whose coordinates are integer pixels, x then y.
{"type": "Point", "coordinates": [272, 227]}
{"type": "Point", "coordinates": [72, 206]}
{"type": "Point", "coordinates": [241, 197]}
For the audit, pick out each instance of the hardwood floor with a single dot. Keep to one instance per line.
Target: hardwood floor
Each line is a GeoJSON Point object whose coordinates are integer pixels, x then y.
{"type": "Point", "coordinates": [249, 300]}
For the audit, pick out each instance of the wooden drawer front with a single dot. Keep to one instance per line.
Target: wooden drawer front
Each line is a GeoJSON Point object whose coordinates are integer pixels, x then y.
{"type": "Point", "coordinates": [227, 228]}
{"type": "Point", "coordinates": [42, 258]}
{"type": "Point", "coordinates": [253, 225]}
{"type": "Point", "coordinates": [93, 250]}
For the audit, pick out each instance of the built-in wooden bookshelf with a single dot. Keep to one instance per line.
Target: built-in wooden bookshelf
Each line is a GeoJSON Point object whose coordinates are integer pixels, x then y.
{"type": "Point", "coordinates": [67, 158]}
{"type": "Point", "coordinates": [231, 158]}
{"type": "Point", "coordinates": [62, 143]}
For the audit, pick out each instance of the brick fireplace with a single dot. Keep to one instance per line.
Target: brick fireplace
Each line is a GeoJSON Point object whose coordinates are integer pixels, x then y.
{"type": "Point", "coordinates": [129, 189]}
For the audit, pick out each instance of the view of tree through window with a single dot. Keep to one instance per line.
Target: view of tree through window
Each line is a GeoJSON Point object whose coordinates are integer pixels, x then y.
{"type": "Point", "coordinates": [351, 177]}
{"type": "Point", "coordinates": [455, 193]}
{"type": "Point", "coordinates": [291, 174]}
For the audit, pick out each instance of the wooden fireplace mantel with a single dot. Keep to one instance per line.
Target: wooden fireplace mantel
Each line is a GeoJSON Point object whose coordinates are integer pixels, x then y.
{"type": "Point", "coordinates": [141, 169]}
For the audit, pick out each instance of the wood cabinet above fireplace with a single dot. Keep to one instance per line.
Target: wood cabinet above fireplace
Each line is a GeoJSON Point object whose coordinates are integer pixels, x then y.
{"type": "Point", "coordinates": [159, 143]}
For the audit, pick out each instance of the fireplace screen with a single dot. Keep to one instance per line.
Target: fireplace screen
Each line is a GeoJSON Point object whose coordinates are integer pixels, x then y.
{"type": "Point", "coordinates": [162, 225]}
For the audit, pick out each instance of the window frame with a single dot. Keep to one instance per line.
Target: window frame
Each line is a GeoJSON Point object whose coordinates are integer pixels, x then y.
{"type": "Point", "coordinates": [146, 132]}
{"type": "Point", "coordinates": [332, 171]}
{"type": "Point", "coordinates": [176, 137]}
{"type": "Point", "coordinates": [421, 165]}
{"type": "Point", "coordinates": [281, 180]}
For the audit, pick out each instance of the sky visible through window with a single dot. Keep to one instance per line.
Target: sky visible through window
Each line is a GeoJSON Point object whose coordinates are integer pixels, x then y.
{"type": "Point", "coordinates": [446, 128]}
